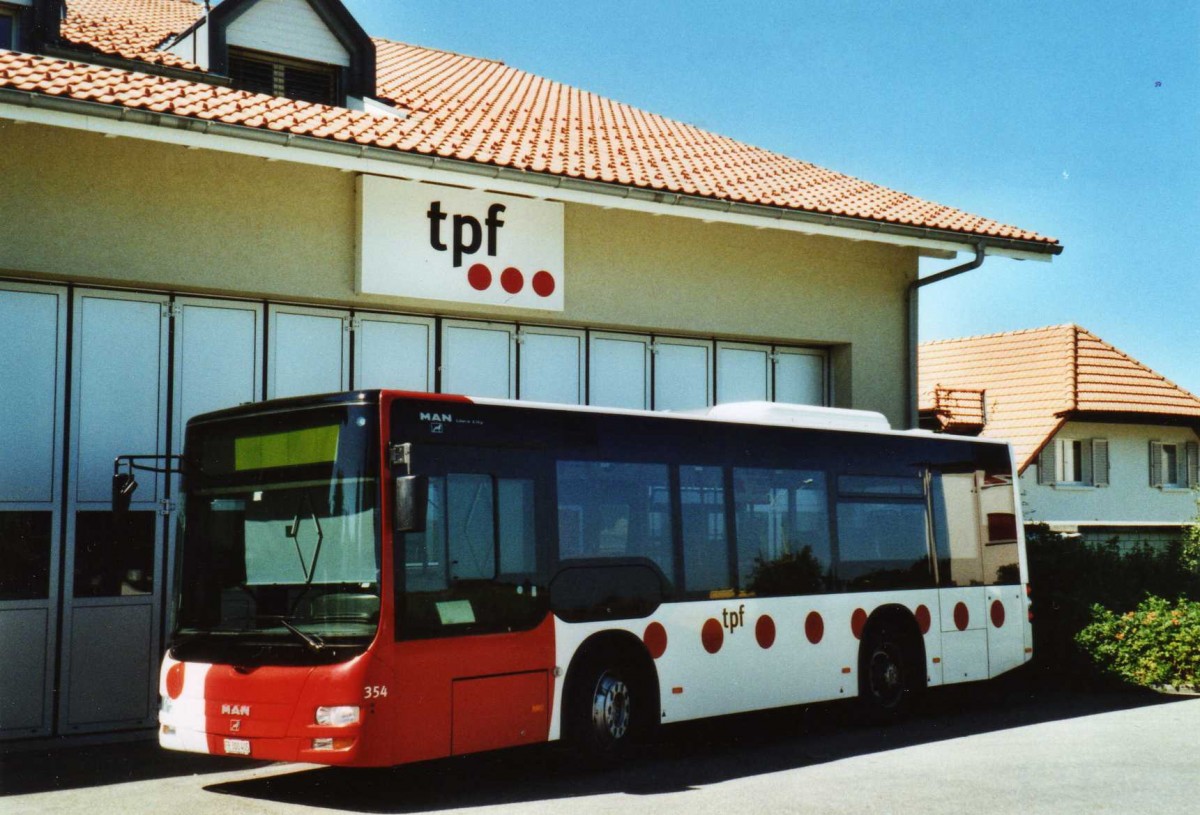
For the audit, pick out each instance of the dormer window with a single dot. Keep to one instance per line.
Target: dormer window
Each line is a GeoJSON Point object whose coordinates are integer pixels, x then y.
{"type": "Point", "coordinates": [8, 29]}
{"type": "Point", "coordinates": [259, 72]}
{"type": "Point", "coordinates": [312, 50]}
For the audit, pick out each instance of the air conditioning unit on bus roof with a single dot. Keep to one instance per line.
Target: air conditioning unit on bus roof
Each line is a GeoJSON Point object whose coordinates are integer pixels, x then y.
{"type": "Point", "coordinates": [781, 413]}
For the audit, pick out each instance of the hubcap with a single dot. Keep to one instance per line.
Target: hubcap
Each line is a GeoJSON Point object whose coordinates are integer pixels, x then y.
{"type": "Point", "coordinates": [887, 682]}
{"type": "Point", "coordinates": [610, 707]}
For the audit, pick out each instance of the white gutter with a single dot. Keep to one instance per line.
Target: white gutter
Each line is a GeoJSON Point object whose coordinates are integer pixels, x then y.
{"type": "Point", "coordinates": [116, 121]}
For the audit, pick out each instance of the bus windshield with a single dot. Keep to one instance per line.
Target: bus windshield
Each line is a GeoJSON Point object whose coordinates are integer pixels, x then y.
{"type": "Point", "coordinates": [280, 547]}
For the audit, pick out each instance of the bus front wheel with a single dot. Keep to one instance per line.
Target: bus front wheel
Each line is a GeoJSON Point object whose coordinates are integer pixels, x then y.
{"type": "Point", "coordinates": [606, 708]}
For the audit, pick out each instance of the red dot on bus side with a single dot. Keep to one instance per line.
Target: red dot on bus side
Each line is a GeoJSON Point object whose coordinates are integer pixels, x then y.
{"type": "Point", "coordinates": [175, 680]}
{"type": "Point", "coordinates": [655, 639]}
{"type": "Point", "coordinates": [924, 619]}
{"type": "Point", "coordinates": [814, 627]}
{"type": "Point", "coordinates": [962, 616]}
{"type": "Point", "coordinates": [479, 276]}
{"type": "Point", "coordinates": [858, 621]}
{"type": "Point", "coordinates": [712, 636]}
{"type": "Point", "coordinates": [997, 614]}
{"type": "Point", "coordinates": [764, 631]}
{"type": "Point", "coordinates": [512, 280]}
{"type": "Point", "coordinates": [543, 284]}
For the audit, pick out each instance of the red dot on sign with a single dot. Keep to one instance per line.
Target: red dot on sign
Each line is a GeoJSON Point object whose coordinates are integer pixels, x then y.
{"type": "Point", "coordinates": [924, 620]}
{"type": "Point", "coordinates": [858, 621]}
{"type": "Point", "coordinates": [479, 276]}
{"type": "Point", "coordinates": [712, 636]}
{"type": "Point", "coordinates": [814, 627]}
{"type": "Point", "coordinates": [655, 639]}
{"type": "Point", "coordinates": [175, 680]}
{"type": "Point", "coordinates": [764, 631]}
{"type": "Point", "coordinates": [543, 284]}
{"type": "Point", "coordinates": [997, 614]}
{"type": "Point", "coordinates": [962, 617]}
{"type": "Point", "coordinates": [512, 280]}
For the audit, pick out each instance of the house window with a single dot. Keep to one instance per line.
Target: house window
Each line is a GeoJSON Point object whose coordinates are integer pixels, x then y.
{"type": "Point", "coordinates": [1074, 462]}
{"type": "Point", "coordinates": [273, 75]}
{"type": "Point", "coordinates": [8, 30]}
{"type": "Point", "coordinates": [1070, 462]}
{"type": "Point", "coordinates": [1173, 465]}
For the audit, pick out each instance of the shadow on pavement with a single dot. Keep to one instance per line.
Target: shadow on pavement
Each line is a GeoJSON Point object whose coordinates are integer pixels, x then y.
{"type": "Point", "coordinates": [25, 771]}
{"type": "Point", "coordinates": [686, 755]}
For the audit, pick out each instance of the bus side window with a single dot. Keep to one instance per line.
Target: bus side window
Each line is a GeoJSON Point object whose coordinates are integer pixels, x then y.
{"type": "Point", "coordinates": [474, 568]}
{"type": "Point", "coordinates": [518, 539]}
{"type": "Point", "coordinates": [783, 542]}
{"type": "Point", "coordinates": [705, 540]}
{"type": "Point", "coordinates": [956, 529]}
{"type": "Point", "coordinates": [615, 510]}
{"type": "Point", "coordinates": [883, 537]}
{"type": "Point", "coordinates": [472, 532]}
{"type": "Point", "coordinates": [998, 511]}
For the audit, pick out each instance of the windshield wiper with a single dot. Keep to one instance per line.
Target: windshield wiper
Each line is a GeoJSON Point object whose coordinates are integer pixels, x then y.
{"type": "Point", "coordinates": [311, 640]}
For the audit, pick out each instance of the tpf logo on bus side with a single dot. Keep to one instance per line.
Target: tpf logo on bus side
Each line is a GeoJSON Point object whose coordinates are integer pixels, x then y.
{"type": "Point", "coordinates": [733, 620]}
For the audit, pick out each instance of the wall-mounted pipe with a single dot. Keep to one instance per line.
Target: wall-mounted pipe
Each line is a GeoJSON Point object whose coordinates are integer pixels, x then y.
{"type": "Point", "coordinates": [911, 300]}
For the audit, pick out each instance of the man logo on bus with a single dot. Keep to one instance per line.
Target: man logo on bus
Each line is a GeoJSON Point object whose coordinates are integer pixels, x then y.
{"type": "Point", "coordinates": [235, 710]}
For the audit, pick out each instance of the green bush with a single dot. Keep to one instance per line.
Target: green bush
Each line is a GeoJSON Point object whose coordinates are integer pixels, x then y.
{"type": "Point", "coordinates": [1069, 577]}
{"type": "Point", "coordinates": [1158, 643]}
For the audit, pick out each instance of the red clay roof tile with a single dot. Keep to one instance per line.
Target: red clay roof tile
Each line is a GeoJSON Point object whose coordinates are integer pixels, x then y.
{"type": "Point", "coordinates": [477, 110]}
{"type": "Point", "coordinates": [1032, 380]}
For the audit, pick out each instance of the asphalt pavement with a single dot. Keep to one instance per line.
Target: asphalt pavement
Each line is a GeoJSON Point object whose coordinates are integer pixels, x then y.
{"type": "Point", "coordinates": [978, 750]}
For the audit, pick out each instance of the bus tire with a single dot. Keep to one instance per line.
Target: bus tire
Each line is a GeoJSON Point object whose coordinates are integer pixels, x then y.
{"type": "Point", "coordinates": [889, 679]}
{"type": "Point", "coordinates": [607, 708]}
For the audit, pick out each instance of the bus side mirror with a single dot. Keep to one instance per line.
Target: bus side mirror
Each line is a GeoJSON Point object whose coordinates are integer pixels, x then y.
{"type": "Point", "coordinates": [123, 486]}
{"type": "Point", "coordinates": [412, 498]}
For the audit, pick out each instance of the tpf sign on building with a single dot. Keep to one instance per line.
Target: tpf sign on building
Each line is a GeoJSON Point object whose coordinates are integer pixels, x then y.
{"type": "Point", "coordinates": [445, 243]}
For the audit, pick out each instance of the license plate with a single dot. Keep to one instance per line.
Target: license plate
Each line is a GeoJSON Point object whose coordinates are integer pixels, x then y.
{"type": "Point", "coordinates": [237, 747]}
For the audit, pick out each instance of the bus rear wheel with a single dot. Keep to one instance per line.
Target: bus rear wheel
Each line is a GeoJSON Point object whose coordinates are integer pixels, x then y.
{"type": "Point", "coordinates": [887, 682]}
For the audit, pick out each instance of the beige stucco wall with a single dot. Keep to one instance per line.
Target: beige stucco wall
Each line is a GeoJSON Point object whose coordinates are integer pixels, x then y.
{"type": "Point", "coordinates": [118, 211]}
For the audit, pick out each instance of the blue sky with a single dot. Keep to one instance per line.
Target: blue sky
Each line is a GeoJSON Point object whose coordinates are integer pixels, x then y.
{"type": "Point", "coordinates": [1079, 120]}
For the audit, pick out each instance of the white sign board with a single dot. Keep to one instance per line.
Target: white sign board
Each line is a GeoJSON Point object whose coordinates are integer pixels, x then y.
{"type": "Point", "coordinates": [445, 243]}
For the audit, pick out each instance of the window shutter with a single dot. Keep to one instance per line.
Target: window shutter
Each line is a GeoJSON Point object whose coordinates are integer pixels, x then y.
{"type": "Point", "coordinates": [1047, 463]}
{"type": "Point", "coordinates": [1193, 464]}
{"type": "Point", "coordinates": [1085, 462]}
{"type": "Point", "coordinates": [1100, 462]}
{"type": "Point", "coordinates": [1156, 464]}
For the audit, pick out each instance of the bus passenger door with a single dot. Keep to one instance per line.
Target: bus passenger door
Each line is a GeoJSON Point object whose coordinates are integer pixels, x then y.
{"type": "Point", "coordinates": [474, 652]}
{"type": "Point", "coordinates": [961, 591]}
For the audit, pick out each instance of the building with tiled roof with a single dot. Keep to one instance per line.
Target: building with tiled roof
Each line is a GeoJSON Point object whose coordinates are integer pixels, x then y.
{"type": "Point", "coordinates": [1105, 446]}
{"type": "Point", "coordinates": [215, 203]}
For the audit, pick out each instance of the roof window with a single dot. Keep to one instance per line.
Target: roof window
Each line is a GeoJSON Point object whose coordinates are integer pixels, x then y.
{"type": "Point", "coordinates": [8, 29]}
{"type": "Point", "coordinates": [274, 75]}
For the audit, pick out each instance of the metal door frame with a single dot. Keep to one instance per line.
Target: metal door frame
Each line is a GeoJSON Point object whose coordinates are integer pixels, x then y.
{"type": "Point", "coordinates": [74, 505]}
{"type": "Point", "coordinates": [52, 604]}
{"type": "Point", "coordinates": [273, 312]}
{"type": "Point", "coordinates": [178, 420]}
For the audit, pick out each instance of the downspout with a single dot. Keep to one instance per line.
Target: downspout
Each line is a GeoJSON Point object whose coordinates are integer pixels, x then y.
{"type": "Point", "coordinates": [911, 302]}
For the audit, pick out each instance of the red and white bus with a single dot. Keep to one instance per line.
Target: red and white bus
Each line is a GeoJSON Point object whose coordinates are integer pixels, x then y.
{"type": "Point", "coordinates": [384, 577]}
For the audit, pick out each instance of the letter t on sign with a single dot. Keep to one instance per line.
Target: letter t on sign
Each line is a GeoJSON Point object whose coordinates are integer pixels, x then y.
{"type": "Point", "coordinates": [436, 216]}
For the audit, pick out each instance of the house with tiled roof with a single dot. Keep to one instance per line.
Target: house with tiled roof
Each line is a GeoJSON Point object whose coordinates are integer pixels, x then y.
{"type": "Point", "coordinates": [1106, 447]}
{"type": "Point", "coordinates": [214, 203]}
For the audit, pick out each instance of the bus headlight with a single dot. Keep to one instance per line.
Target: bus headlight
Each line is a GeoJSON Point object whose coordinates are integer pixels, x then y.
{"type": "Point", "coordinates": [337, 715]}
